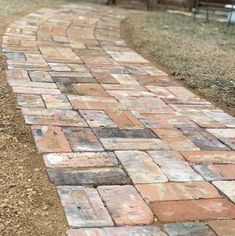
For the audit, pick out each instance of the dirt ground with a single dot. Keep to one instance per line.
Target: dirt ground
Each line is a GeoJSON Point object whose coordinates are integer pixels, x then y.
{"type": "Point", "coordinates": [29, 204]}
{"type": "Point", "coordinates": [200, 56]}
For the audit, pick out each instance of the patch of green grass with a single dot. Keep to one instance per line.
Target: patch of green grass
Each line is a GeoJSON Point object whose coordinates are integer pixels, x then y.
{"type": "Point", "coordinates": [200, 55]}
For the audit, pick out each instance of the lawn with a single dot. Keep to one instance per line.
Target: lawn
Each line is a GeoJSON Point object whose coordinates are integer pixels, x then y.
{"type": "Point", "coordinates": [199, 55]}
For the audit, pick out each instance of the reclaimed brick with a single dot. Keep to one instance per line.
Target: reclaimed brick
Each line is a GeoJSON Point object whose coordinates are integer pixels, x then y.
{"type": "Point", "coordinates": [205, 121]}
{"type": "Point", "coordinates": [125, 79]}
{"type": "Point", "coordinates": [57, 117]}
{"type": "Point", "coordinates": [118, 231]}
{"type": "Point", "coordinates": [216, 171]}
{"type": "Point", "coordinates": [33, 85]}
{"type": "Point", "coordinates": [40, 76]}
{"type": "Point", "coordinates": [186, 101]}
{"type": "Point", "coordinates": [57, 101]}
{"type": "Point", "coordinates": [83, 207]}
{"type": "Point", "coordinates": [80, 160]}
{"type": "Point", "coordinates": [204, 140]}
{"type": "Point", "coordinates": [181, 92]}
{"type": "Point", "coordinates": [17, 75]}
{"type": "Point", "coordinates": [125, 119]}
{"type": "Point", "coordinates": [27, 100]}
{"type": "Point", "coordinates": [89, 176]}
{"type": "Point", "coordinates": [188, 228]}
{"type": "Point", "coordinates": [82, 139]}
{"type": "Point", "coordinates": [125, 205]}
{"type": "Point", "coordinates": [128, 93]}
{"type": "Point", "coordinates": [174, 166]}
{"type": "Point", "coordinates": [227, 188]}
{"type": "Point", "coordinates": [225, 135]}
{"type": "Point", "coordinates": [97, 118]}
{"type": "Point", "coordinates": [28, 90]}
{"type": "Point", "coordinates": [177, 191]}
{"type": "Point", "coordinates": [223, 227]}
{"type": "Point", "coordinates": [123, 87]}
{"type": "Point", "coordinates": [133, 144]}
{"type": "Point", "coordinates": [129, 57]}
{"type": "Point", "coordinates": [105, 78]}
{"type": "Point", "coordinates": [148, 171]}
{"type": "Point", "coordinates": [124, 133]}
{"type": "Point", "coordinates": [72, 77]}
{"type": "Point", "coordinates": [209, 156]}
{"type": "Point", "coordinates": [160, 92]}
{"type": "Point", "coordinates": [222, 117]}
{"type": "Point", "coordinates": [193, 210]}
{"type": "Point", "coordinates": [50, 139]}
{"type": "Point", "coordinates": [90, 89]}
{"type": "Point", "coordinates": [175, 139]}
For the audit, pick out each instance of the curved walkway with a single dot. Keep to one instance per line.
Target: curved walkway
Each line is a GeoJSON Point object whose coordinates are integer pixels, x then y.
{"type": "Point", "coordinates": [125, 145]}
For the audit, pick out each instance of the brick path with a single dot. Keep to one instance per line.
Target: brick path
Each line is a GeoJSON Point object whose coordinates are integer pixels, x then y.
{"type": "Point", "coordinates": [124, 144]}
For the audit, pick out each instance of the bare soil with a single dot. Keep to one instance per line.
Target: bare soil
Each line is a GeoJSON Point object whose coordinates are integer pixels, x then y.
{"type": "Point", "coordinates": [199, 55]}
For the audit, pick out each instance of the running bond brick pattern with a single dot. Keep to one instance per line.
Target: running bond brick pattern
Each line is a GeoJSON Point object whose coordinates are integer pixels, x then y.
{"type": "Point", "coordinates": [125, 145]}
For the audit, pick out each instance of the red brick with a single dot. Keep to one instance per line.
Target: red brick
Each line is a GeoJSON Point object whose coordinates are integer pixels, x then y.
{"type": "Point", "coordinates": [209, 156]}
{"type": "Point", "coordinates": [204, 209]}
{"type": "Point", "coordinates": [175, 139]}
{"type": "Point", "coordinates": [177, 191]}
{"type": "Point", "coordinates": [223, 227]}
{"type": "Point", "coordinates": [50, 139]}
{"type": "Point", "coordinates": [125, 205]}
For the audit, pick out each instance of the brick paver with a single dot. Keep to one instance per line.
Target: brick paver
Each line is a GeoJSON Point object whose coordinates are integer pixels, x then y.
{"type": "Point", "coordinates": [124, 143]}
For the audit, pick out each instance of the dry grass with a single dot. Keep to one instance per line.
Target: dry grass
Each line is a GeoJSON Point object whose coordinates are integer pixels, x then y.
{"type": "Point", "coordinates": [199, 55]}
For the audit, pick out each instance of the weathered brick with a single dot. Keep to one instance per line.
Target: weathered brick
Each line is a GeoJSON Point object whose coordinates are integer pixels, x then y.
{"type": "Point", "coordinates": [124, 133]}
{"type": "Point", "coordinates": [82, 139]}
{"type": "Point", "coordinates": [125, 119]}
{"type": "Point", "coordinates": [57, 117]}
{"type": "Point", "coordinates": [89, 176]}
{"type": "Point", "coordinates": [148, 171]}
{"type": "Point", "coordinates": [225, 135]}
{"type": "Point", "coordinates": [223, 227]}
{"type": "Point", "coordinates": [227, 188]}
{"type": "Point", "coordinates": [209, 156]}
{"type": "Point", "coordinates": [28, 100]}
{"type": "Point", "coordinates": [129, 93]}
{"type": "Point", "coordinates": [174, 167]}
{"type": "Point", "coordinates": [177, 191]}
{"type": "Point", "coordinates": [118, 231]}
{"type": "Point", "coordinates": [57, 101]}
{"type": "Point", "coordinates": [188, 228]}
{"type": "Point", "coordinates": [125, 205]}
{"type": "Point", "coordinates": [133, 144]}
{"type": "Point", "coordinates": [129, 57]}
{"type": "Point", "coordinates": [204, 209]}
{"type": "Point", "coordinates": [175, 139]}
{"type": "Point", "coordinates": [104, 78]}
{"type": "Point", "coordinates": [217, 171]}
{"type": "Point", "coordinates": [50, 139]}
{"type": "Point", "coordinates": [97, 118]}
{"type": "Point", "coordinates": [181, 92]}
{"type": "Point", "coordinates": [40, 76]}
{"type": "Point", "coordinates": [204, 140]}
{"type": "Point", "coordinates": [83, 207]}
{"type": "Point", "coordinates": [29, 90]}
{"type": "Point", "coordinates": [33, 85]}
{"type": "Point", "coordinates": [80, 160]}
